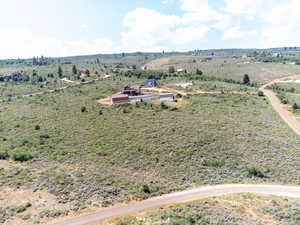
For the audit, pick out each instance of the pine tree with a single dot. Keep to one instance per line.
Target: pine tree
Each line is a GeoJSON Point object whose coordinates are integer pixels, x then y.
{"type": "Point", "coordinates": [60, 72]}
{"type": "Point", "coordinates": [246, 79]}
{"type": "Point", "coordinates": [74, 70]}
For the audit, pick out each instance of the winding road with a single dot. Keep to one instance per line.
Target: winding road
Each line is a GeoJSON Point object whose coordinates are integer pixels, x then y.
{"type": "Point", "coordinates": [206, 191]}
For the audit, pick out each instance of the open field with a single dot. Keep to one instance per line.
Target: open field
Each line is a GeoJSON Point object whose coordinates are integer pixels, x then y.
{"type": "Point", "coordinates": [227, 67]}
{"type": "Point", "coordinates": [240, 209]}
{"type": "Point", "coordinates": [103, 156]}
{"type": "Point", "coordinates": [79, 155]}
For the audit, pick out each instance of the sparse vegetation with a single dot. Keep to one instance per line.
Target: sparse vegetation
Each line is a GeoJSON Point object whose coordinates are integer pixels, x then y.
{"type": "Point", "coordinates": [82, 152]}
{"type": "Point", "coordinates": [226, 210]}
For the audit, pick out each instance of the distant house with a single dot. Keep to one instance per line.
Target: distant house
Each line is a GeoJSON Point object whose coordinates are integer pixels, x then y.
{"type": "Point", "coordinates": [151, 83]}
{"type": "Point", "coordinates": [83, 72]}
{"type": "Point", "coordinates": [207, 58]}
{"type": "Point", "coordinates": [132, 90]}
{"type": "Point", "coordinates": [180, 70]}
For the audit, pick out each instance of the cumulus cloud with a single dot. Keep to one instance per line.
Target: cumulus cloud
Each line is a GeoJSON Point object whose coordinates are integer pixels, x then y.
{"type": "Point", "coordinates": [84, 26]}
{"type": "Point", "coordinates": [283, 27]}
{"type": "Point", "coordinates": [236, 33]}
{"type": "Point", "coordinates": [24, 44]}
{"type": "Point", "coordinates": [149, 29]}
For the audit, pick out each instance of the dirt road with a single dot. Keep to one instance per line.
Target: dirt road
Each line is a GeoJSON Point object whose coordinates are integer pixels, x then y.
{"type": "Point", "coordinates": [286, 115]}
{"type": "Point", "coordinates": [185, 196]}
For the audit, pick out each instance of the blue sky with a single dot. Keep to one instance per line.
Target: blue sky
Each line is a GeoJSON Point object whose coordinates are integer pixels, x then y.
{"type": "Point", "coordinates": [77, 27]}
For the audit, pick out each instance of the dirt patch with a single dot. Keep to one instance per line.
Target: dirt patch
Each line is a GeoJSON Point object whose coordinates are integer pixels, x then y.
{"type": "Point", "coordinates": [156, 64]}
{"type": "Point", "coordinates": [36, 202]}
{"type": "Point", "coordinates": [5, 164]}
{"type": "Point", "coordinates": [105, 101]}
{"type": "Point", "coordinates": [184, 85]}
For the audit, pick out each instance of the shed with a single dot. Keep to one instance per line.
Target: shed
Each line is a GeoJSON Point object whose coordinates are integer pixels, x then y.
{"type": "Point", "coordinates": [115, 99]}
{"type": "Point", "coordinates": [151, 83]}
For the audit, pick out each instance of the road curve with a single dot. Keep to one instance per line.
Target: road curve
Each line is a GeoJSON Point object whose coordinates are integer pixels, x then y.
{"type": "Point", "coordinates": [181, 197]}
{"type": "Point", "coordinates": [286, 115]}
{"type": "Point", "coordinates": [207, 191]}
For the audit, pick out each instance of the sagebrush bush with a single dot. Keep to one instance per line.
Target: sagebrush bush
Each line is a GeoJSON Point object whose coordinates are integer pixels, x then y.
{"type": "Point", "coordinates": [4, 155]}
{"type": "Point", "coordinates": [21, 156]}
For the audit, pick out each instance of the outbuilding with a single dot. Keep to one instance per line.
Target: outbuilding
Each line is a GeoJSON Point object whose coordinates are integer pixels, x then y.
{"type": "Point", "coordinates": [121, 98]}
{"type": "Point", "coordinates": [151, 83]}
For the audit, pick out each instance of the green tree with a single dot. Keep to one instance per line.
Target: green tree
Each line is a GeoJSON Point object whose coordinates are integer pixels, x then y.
{"type": "Point", "coordinates": [74, 70]}
{"type": "Point", "coordinates": [246, 79]}
{"type": "Point", "coordinates": [60, 72]}
{"type": "Point", "coordinates": [295, 106]}
{"type": "Point", "coordinates": [171, 69]}
{"type": "Point", "coordinates": [199, 72]}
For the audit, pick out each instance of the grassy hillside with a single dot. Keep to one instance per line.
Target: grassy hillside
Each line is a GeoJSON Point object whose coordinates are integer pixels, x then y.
{"type": "Point", "coordinates": [238, 209]}
{"type": "Point", "coordinates": [76, 154]}
{"type": "Point", "coordinates": [100, 156]}
{"type": "Point", "coordinates": [228, 67]}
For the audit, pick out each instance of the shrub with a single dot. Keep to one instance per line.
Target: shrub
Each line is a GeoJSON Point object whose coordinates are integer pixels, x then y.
{"type": "Point", "coordinates": [146, 189]}
{"type": "Point", "coordinates": [163, 106]}
{"type": "Point", "coordinates": [4, 155]}
{"type": "Point", "coordinates": [254, 172]}
{"type": "Point", "coordinates": [246, 79]}
{"type": "Point", "coordinates": [199, 72]}
{"type": "Point", "coordinates": [214, 163]}
{"type": "Point", "coordinates": [126, 111]}
{"type": "Point", "coordinates": [260, 93]}
{"type": "Point", "coordinates": [37, 127]}
{"type": "Point", "coordinates": [171, 69]}
{"type": "Point", "coordinates": [83, 109]}
{"type": "Point", "coordinates": [295, 106]}
{"type": "Point", "coordinates": [179, 95]}
{"type": "Point", "coordinates": [21, 156]}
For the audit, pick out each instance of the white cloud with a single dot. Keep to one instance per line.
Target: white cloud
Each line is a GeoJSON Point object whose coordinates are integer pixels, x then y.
{"type": "Point", "coordinates": [283, 27]}
{"type": "Point", "coordinates": [247, 8]}
{"type": "Point", "coordinates": [194, 5]}
{"type": "Point", "coordinates": [148, 29]}
{"type": "Point", "coordinates": [236, 33]}
{"type": "Point", "coordinates": [24, 44]}
{"type": "Point", "coordinates": [199, 11]}
{"type": "Point", "coordinates": [84, 26]}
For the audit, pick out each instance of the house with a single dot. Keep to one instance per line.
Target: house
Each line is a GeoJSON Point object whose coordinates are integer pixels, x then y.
{"type": "Point", "coordinates": [83, 72]}
{"type": "Point", "coordinates": [207, 58]}
{"type": "Point", "coordinates": [115, 99]}
{"type": "Point", "coordinates": [164, 97]}
{"type": "Point", "coordinates": [132, 90]}
{"type": "Point", "coordinates": [151, 83]}
{"type": "Point", "coordinates": [143, 98]}
{"type": "Point", "coordinates": [180, 70]}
